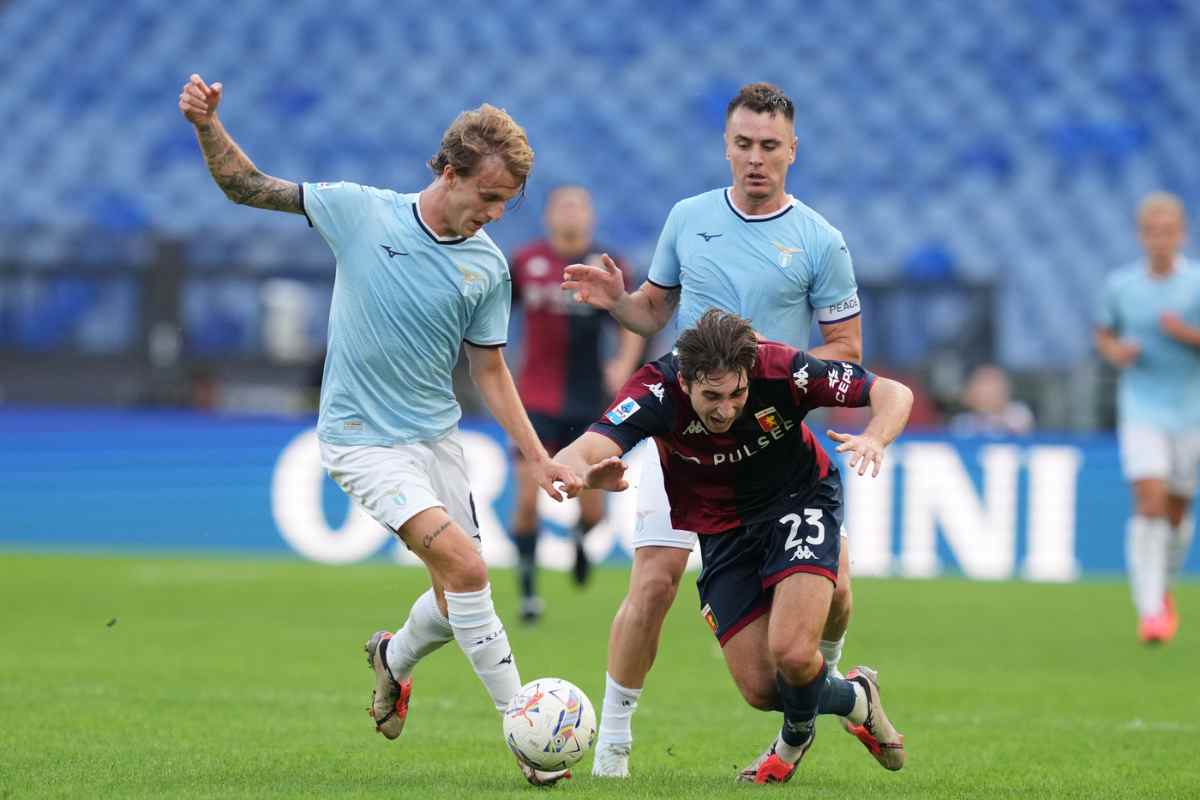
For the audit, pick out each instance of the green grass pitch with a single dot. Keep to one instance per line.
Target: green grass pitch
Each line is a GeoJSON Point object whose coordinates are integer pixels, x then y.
{"type": "Point", "coordinates": [242, 678]}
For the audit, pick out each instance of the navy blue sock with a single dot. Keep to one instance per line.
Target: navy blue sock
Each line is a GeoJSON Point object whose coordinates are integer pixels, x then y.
{"type": "Point", "coordinates": [800, 706]}
{"type": "Point", "coordinates": [837, 696]}
{"type": "Point", "coordinates": [526, 542]}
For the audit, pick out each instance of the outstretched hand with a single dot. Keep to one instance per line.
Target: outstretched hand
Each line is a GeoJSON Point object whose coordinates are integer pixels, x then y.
{"type": "Point", "coordinates": [600, 287]}
{"type": "Point", "coordinates": [864, 450]}
{"type": "Point", "coordinates": [551, 475]}
{"type": "Point", "coordinates": [608, 475]}
{"type": "Point", "coordinates": [198, 101]}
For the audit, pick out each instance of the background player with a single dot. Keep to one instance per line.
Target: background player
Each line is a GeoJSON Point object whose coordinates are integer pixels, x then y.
{"type": "Point", "coordinates": [743, 470]}
{"type": "Point", "coordinates": [1149, 329]}
{"type": "Point", "coordinates": [563, 379]}
{"type": "Point", "coordinates": [754, 250]}
{"type": "Point", "coordinates": [416, 280]}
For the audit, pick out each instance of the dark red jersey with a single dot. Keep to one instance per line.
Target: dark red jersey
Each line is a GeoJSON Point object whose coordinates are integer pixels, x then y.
{"type": "Point", "coordinates": [720, 481]}
{"type": "Point", "coordinates": [562, 367]}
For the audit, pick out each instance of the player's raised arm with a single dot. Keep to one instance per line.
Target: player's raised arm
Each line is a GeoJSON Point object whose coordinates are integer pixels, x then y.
{"type": "Point", "coordinates": [598, 459]}
{"type": "Point", "coordinates": [232, 169]}
{"type": "Point", "coordinates": [891, 402]}
{"type": "Point", "coordinates": [646, 311]}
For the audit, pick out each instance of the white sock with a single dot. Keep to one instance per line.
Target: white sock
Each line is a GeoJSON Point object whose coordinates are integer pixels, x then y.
{"type": "Point", "coordinates": [832, 653]}
{"type": "Point", "coordinates": [1146, 558]}
{"type": "Point", "coordinates": [1177, 549]}
{"type": "Point", "coordinates": [858, 714]}
{"type": "Point", "coordinates": [481, 636]}
{"type": "Point", "coordinates": [425, 631]}
{"type": "Point", "coordinates": [617, 712]}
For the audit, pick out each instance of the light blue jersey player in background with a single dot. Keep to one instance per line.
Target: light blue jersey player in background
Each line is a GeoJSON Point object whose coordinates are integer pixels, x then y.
{"type": "Point", "coordinates": [417, 278]}
{"type": "Point", "coordinates": [753, 250]}
{"type": "Point", "coordinates": [1149, 329]}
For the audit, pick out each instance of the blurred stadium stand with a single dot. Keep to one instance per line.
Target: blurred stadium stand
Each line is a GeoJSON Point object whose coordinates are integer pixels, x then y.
{"type": "Point", "coordinates": [995, 154]}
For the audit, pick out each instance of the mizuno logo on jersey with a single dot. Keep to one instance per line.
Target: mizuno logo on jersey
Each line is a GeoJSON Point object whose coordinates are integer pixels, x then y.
{"type": "Point", "coordinates": [800, 377]}
{"type": "Point", "coordinates": [709, 236]}
{"type": "Point", "coordinates": [694, 427]}
{"type": "Point", "coordinates": [656, 389]}
{"type": "Point", "coordinates": [623, 411]}
{"type": "Point", "coordinates": [392, 253]}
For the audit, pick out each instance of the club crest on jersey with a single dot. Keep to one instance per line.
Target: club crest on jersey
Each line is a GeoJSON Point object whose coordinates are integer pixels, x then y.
{"type": "Point", "coordinates": [786, 253]}
{"type": "Point", "coordinates": [709, 617]}
{"type": "Point", "coordinates": [623, 411]}
{"type": "Point", "coordinates": [695, 426]}
{"type": "Point", "coordinates": [800, 376]}
{"type": "Point", "coordinates": [768, 419]}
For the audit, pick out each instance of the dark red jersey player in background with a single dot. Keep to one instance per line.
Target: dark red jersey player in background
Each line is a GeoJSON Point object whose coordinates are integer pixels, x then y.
{"type": "Point", "coordinates": [564, 379]}
{"type": "Point", "coordinates": [743, 471]}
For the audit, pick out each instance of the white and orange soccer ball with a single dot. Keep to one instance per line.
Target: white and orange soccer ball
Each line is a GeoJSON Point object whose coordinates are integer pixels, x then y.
{"type": "Point", "coordinates": [550, 724]}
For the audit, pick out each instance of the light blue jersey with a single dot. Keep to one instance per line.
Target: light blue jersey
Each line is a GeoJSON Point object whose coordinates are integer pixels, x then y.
{"type": "Point", "coordinates": [777, 270]}
{"type": "Point", "coordinates": [1162, 387]}
{"type": "Point", "coordinates": [404, 301]}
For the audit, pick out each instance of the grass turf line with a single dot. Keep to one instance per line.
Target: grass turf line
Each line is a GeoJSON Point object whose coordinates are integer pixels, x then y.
{"type": "Point", "coordinates": [240, 678]}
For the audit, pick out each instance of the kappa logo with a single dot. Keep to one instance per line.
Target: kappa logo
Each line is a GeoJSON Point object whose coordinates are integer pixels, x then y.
{"type": "Point", "coordinates": [623, 411]}
{"type": "Point", "coordinates": [803, 553]}
{"type": "Point", "coordinates": [786, 253]}
{"type": "Point", "coordinates": [695, 427]}
{"type": "Point", "coordinates": [656, 389]}
{"type": "Point", "coordinates": [800, 377]}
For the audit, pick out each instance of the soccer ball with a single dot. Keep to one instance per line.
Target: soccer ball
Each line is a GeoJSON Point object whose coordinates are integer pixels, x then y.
{"type": "Point", "coordinates": [549, 724]}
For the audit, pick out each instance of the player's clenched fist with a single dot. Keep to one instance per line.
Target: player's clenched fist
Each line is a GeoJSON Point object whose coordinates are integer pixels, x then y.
{"type": "Point", "coordinates": [198, 101]}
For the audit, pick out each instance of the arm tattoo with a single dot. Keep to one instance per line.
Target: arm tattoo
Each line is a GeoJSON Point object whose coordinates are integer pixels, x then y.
{"type": "Point", "coordinates": [242, 182]}
{"type": "Point", "coordinates": [429, 537]}
{"type": "Point", "coordinates": [672, 299]}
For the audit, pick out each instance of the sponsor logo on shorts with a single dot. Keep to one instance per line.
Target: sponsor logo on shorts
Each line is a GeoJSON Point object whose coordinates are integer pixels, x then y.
{"type": "Point", "coordinates": [803, 553]}
{"type": "Point", "coordinates": [399, 498]}
{"type": "Point", "coordinates": [768, 419]}
{"type": "Point", "coordinates": [709, 617]}
{"type": "Point", "coordinates": [623, 411]}
{"type": "Point", "coordinates": [695, 426]}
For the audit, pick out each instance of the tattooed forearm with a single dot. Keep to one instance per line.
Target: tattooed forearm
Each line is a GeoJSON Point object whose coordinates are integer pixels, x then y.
{"type": "Point", "coordinates": [672, 299]}
{"type": "Point", "coordinates": [242, 182]}
{"type": "Point", "coordinates": [429, 537]}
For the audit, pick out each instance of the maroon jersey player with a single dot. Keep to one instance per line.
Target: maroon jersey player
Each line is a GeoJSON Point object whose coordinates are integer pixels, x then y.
{"type": "Point", "coordinates": [564, 376]}
{"type": "Point", "coordinates": [742, 469]}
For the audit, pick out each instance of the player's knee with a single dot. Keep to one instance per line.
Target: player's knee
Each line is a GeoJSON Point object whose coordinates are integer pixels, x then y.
{"type": "Point", "coordinates": [467, 573]}
{"type": "Point", "coordinates": [799, 662]}
{"type": "Point", "coordinates": [762, 697]}
{"type": "Point", "coordinates": [654, 592]}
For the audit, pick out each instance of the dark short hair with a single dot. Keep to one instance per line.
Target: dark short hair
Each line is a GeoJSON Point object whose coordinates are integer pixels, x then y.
{"type": "Point", "coordinates": [762, 98]}
{"type": "Point", "coordinates": [719, 343]}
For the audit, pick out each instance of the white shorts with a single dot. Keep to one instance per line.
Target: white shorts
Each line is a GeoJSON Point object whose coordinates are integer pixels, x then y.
{"type": "Point", "coordinates": [1148, 452]}
{"type": "Point", "coordinates": [653, 526]}
{"type": "Point", "coordinates": [396, 483]}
